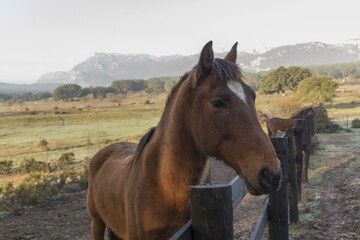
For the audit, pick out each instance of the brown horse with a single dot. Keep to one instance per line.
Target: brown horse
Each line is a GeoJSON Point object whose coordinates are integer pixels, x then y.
{"type": "Point", "coordinates": [141, 192]}
{"type": "Point", "coordinates": [281, 124]}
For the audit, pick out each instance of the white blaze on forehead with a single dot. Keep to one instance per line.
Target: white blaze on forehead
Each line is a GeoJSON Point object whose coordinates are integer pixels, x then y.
{"type": "Point", "coordinates": [238, 89]}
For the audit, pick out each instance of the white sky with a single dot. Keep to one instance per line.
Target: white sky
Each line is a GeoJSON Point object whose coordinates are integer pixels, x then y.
{"type": "Point", "coordinates": [38, 36]}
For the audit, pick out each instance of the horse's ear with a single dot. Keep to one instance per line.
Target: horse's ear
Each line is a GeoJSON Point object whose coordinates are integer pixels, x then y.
{"type": "Point", "coordinates": [206, 60]}
{"type": "Point", "coordinates": [231, 56]}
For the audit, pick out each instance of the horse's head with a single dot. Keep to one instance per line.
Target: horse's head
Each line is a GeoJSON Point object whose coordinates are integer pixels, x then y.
{"type": "Point", "coordinates": [225, 123]}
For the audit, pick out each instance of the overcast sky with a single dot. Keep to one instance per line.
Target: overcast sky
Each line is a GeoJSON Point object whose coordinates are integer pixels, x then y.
{"type": "Point", "coordinates": [38, 36]}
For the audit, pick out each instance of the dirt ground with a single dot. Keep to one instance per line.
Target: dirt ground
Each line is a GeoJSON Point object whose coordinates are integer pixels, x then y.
{"type": "Point", "coordinates": [330, 206]}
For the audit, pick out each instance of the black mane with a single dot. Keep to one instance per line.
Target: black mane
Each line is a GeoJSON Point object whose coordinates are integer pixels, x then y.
{"type": "Point", "coordinates": [142, 143]}
{"type": "Point", "coordinates": [226, 71]}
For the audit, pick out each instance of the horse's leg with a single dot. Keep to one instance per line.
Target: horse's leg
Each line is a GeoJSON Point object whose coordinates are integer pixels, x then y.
{"type": "Point", "coordinates": [268, 129]}
{"type": "Point", "coordinates": [97, 229]}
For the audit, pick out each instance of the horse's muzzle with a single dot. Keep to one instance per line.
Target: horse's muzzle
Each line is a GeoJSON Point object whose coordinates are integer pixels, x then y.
{"type": "Point", "coordinates": [269, 181]}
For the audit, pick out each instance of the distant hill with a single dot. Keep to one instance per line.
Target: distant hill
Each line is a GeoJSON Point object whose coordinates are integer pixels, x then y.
{"type": "Point", "coordinates": [9, 88]}
{"type": "Point", "coordinates": [103, 68]}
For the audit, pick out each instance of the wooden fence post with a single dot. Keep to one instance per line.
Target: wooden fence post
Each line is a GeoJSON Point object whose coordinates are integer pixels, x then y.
{"type": "Point", "coordinates": [298, 132]}
{"type": "Point", "coordinates": [293, 198]}
{"type": "Point", "coordinates": [312, 123]}
{"type": "Point", "coordinates": [278, 201]}
{"type": "Point", "coordinates": [307, 148]}
{"type": "Point", "coordinates": [211, 212]}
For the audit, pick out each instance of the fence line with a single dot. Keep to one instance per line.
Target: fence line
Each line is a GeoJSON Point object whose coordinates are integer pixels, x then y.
{"type": "Point", "coordinates": [212, 205]}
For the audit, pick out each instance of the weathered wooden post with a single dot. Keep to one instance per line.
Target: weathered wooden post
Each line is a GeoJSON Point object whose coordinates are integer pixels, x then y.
{"type": "Point", "coordinates": [298, 132]}
{"type": "Point", "coordinates": [307, 148]}
{"type": "Point", "coordinates": [278, 201]}
{"type": "Point", "coordinates": [211, 212]}
{"type": "Point", "coordinates": [293, 198]}
{"type": "Point", "coordinates": [312, 123]}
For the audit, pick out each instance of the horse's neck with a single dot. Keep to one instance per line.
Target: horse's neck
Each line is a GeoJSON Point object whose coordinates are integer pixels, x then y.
{"type": "Point", "coordinates": [179, 163]}
{"type": "Point", "coordinates": [174, 166]}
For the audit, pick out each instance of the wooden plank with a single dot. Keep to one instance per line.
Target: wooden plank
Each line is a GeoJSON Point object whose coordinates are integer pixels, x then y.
{"type": "Point", "coordinates": [238, 190]}
{"type": "Point", "coordinates": [278, 201]}
{"type": "Point", "coordinates": [293, 198]}
{"type": "Point", "coordinates": [211, 212]}
{"type": "Point", "coordinates": [184, 233]}
{"type": "Point", "coordinates": [307, 147]}
{"type": "Point", "coordinates": [259, 230]}
{"type": "Point", "coordinates": [299, 132]}
{"type": "Point", "coordinates": [312, 123]}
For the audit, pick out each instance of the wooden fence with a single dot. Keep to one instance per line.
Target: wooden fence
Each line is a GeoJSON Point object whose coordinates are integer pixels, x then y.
{"type": "Point", "coordinates": [212, 205]}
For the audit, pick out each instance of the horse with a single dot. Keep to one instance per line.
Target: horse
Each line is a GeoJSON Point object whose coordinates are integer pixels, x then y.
{"type": "Point", "coordinates": [141, 191]}
{"type": "Point", "coordinates": [276, 124]}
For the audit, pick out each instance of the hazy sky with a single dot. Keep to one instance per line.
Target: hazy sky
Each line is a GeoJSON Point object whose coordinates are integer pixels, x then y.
{"type": "Point", "coordinates": [38, 36]}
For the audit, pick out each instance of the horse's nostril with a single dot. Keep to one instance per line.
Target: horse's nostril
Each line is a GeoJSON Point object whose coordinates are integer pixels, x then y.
{"type": "Point", "coordinates": [266, 178]}
{"type": "Point", "coordinates": [269, 181]}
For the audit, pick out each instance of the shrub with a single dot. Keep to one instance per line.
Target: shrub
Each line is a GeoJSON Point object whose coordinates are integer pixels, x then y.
{"type": "Point", "coordinates": [40, 186]}
{"type": "Point", "coordinates": [43, 144]}
{"type": "Point", "coordinates": [6, 167]}
{"type": "Point", "coordinates": [31, 165]}
{"type": "Point", "coordinates": [355, 123]}
{"type": "Point", "coordinates": [316, 90]}
{"type": "Point", "coordinates": [66, 157]}
{"type": "Point", "coordinates": [323, 122]}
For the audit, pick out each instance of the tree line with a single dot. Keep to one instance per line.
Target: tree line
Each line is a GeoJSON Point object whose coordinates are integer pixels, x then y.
{"type": "Point", "coordinates": [69, 92]}
{"type": "Point", "coordinates": [27, 96]}
{"type": "Point", "coordinates": [274, 81]}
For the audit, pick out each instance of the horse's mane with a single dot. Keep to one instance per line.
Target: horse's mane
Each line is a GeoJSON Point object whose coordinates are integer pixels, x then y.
{"type": "Point", "coordinates": [142, 143]}
{"type": "Point", "coordinates": [222, 70]}
{"type": "Point", "coordinates": [226, 71]}
{"type": "Point", "coordinates": [176, 87]}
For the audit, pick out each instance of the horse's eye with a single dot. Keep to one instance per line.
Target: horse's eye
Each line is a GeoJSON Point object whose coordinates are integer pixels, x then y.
{"type": "Point", "coordinates": [218, 103]}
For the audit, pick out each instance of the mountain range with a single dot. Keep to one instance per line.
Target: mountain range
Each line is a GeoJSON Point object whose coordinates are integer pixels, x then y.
{"type": "Point", "coordinates": [103, 68]}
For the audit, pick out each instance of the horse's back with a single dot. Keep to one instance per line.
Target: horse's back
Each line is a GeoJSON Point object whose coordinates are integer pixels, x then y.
{"type": "Point", "coordinates": [120, 151]}
{"type": "Point", "coordinates": [275, 124]}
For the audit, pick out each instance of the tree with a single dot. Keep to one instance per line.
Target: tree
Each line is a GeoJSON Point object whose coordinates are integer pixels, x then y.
{"type": "Point", "coordinates": [294, 76]}
{"type": "Point", "coordinates": [282, 79]}
{"type": "Point", "coordinates": [85, 91]}
{"type": "Point", "coordinates": [41, 96]}
{"type": "Point", "coordinates": [168, 86]}
{"type": "Point", "coordinates": [316, 90]}
{"type": "Point", "coordinates": [273, 82]}
{"type": "Point", "coordinates": [101, 92]}
{"type": "Point", "coordinates": [253, 79]}
{"type": "Point", "coordinates": [156, 84]}
{"type": "Point", "coordinates": [67, 92]}
{"type": "Point", "coordinates": [124, 86]}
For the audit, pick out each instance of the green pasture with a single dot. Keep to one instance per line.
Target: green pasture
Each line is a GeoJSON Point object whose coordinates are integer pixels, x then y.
{"type": "Point", "coordinates": [83, 133]}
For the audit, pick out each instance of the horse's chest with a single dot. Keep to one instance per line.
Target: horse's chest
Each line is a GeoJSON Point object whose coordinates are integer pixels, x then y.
{"type": "Point", "coordinates": [164, 216]}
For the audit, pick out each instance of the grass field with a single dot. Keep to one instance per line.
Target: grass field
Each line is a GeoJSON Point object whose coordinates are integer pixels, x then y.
{"type": "Point", "coordinates": [80, 132]}
{"type": "Point", "coordinates": [85, 127]}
